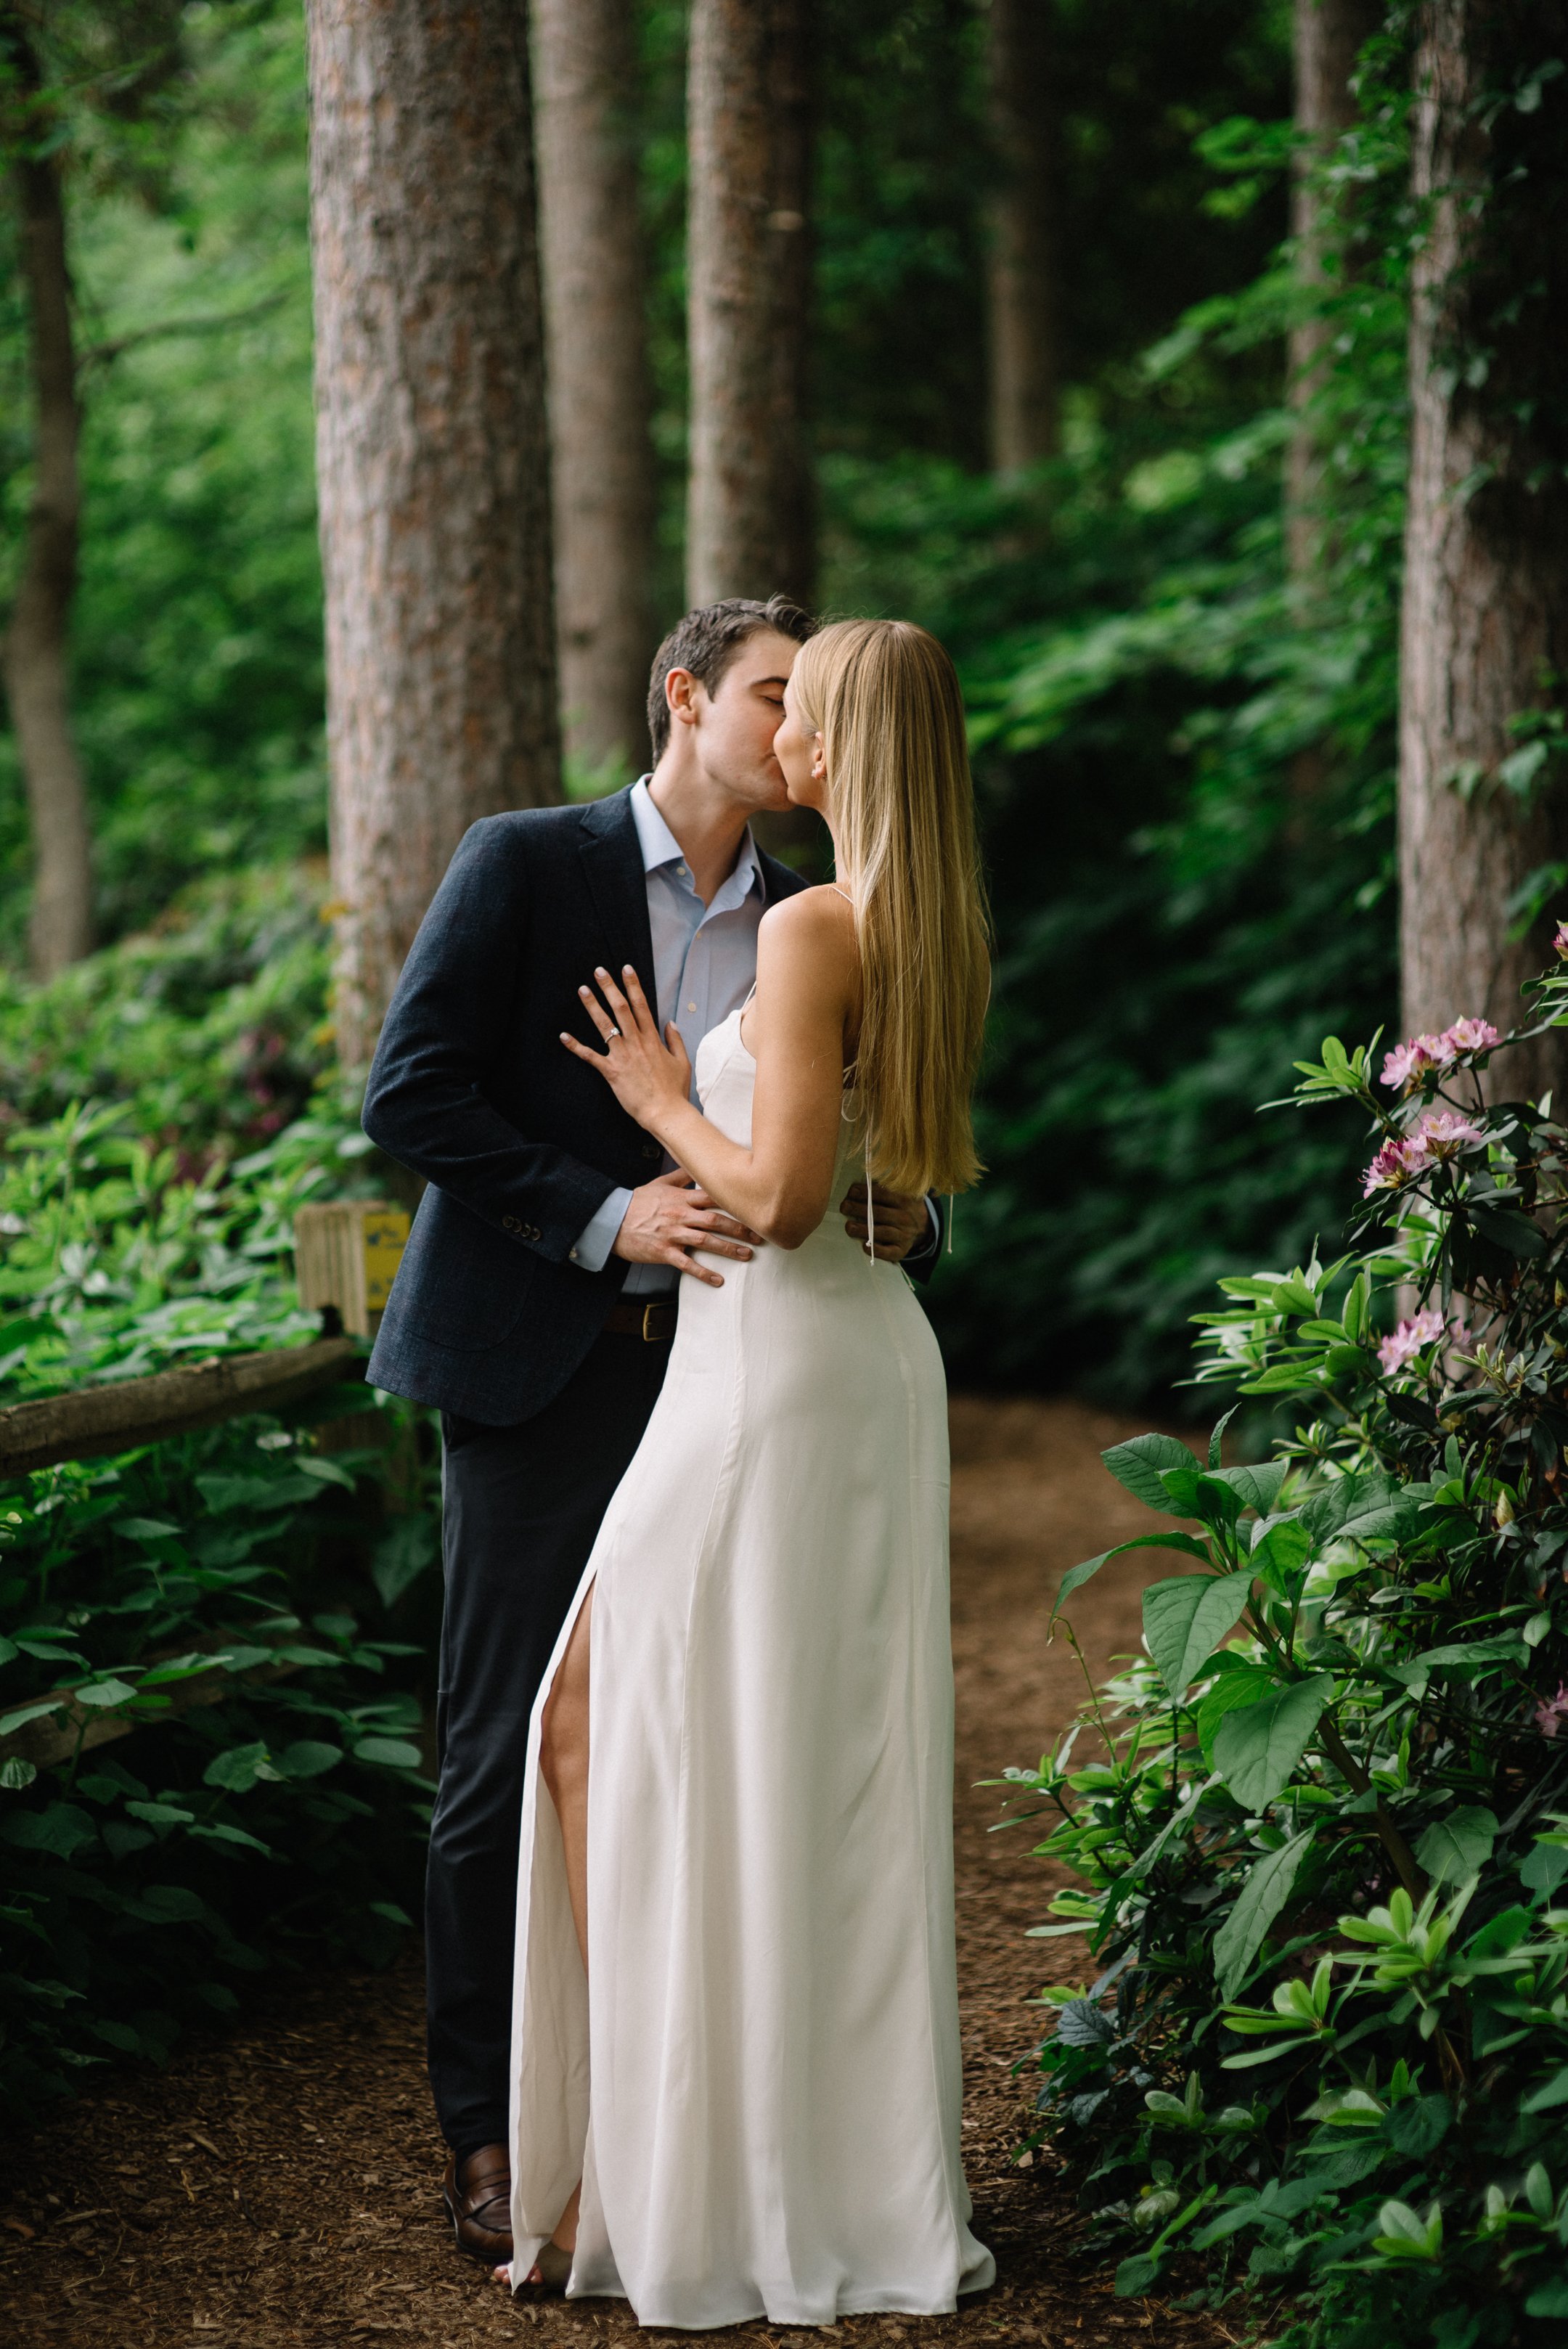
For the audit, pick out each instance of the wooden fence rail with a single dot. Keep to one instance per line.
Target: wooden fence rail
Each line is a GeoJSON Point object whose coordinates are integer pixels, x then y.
{"type": "Point", "coordinates": [96, 1419]}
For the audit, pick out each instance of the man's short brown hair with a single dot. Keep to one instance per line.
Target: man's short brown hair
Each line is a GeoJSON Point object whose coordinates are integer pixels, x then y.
{"type": "Point", "coordinates": [707, 640]}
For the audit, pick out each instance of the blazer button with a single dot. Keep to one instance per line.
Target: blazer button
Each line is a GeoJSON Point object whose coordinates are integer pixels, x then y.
{"type": "Point", "coordinates": [509, 1222]}
{"type": "Point", "coordinates": [533, 1232]}
{"type": "Point", "coordinates": [651, 1150]}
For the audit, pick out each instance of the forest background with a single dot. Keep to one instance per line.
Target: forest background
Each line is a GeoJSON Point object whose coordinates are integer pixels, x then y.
{"type": "Point", "coordinates": [1186, 765]}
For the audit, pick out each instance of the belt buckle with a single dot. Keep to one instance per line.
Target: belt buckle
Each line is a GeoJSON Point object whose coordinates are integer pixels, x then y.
{"type": "Point", "coordinates": [648, 1312]}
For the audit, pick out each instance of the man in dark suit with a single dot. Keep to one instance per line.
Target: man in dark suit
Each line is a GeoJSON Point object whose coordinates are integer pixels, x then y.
{"type": "Point", "coordinates": [536, 1300]}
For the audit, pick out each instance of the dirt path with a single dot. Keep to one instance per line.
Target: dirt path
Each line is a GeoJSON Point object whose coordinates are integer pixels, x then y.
{"type": "Point", "coordinates": [278, 2187]}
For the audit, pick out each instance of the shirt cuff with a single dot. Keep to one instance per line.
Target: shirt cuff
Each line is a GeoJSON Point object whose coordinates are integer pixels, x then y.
{"type": "Point", "coordinates": [933, 1241]}
{"type": "Point", "coordinates": [598, 1235]}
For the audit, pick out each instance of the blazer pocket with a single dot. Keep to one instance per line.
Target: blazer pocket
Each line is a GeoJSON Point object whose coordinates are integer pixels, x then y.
{"type": "Point", "coordinates": [470, 1285]}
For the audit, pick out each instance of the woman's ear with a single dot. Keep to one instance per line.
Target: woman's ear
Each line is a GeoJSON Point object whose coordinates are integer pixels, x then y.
{"type": "Point", "coordinates": [818, 760]}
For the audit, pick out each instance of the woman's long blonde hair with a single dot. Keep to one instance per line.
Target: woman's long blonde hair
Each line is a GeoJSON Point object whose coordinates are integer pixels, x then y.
{"type": "Point", "coordinates": [885, 698]}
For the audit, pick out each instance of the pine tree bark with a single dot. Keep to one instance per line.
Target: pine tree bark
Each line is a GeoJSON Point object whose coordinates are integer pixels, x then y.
{"type": "Point", "coordinates": [751, 524]}
{"type": "Point", "coordinates": [600, 401]}
{"type": "Point", "coordinates": [432, 459]}
{"type": "Point", "coordinates": [1022, 274]}
{"type": "Point", "coordinates": [1328, 38]}
{"type": "Point", "coordinates": [35, 656]}
{"type": "Point", "coordinates": [1485, 622]}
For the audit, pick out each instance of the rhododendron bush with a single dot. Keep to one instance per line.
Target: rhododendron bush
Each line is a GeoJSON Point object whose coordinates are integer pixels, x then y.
{"type": "Point", "coordinates": [1322, 2045]}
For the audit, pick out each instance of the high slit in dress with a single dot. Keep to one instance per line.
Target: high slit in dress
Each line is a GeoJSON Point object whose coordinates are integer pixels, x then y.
{"type": "Point", "coordinates": [762, 2095]}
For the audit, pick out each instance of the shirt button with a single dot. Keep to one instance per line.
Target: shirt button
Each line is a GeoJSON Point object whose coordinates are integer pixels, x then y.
{"type": "Point", "coordinates": [574, 1256]}
{"type": "Point", "coordinates": [691, 1007]}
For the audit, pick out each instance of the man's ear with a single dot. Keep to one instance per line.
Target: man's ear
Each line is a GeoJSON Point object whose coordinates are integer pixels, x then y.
{"type": "Point", "coordinates": [680, 691]}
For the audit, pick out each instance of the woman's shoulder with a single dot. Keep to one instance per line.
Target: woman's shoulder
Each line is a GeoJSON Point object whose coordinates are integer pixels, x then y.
{"type": "Point", "coordinates": [810, 915]}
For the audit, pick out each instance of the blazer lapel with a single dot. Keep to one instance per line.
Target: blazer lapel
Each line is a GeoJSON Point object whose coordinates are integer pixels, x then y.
{"type": "Point", "coordinates": [612, 860]}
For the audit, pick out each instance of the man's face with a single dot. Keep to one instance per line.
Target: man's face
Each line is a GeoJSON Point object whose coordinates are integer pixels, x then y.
{"type": "Point", "coordinates": [735, 728]}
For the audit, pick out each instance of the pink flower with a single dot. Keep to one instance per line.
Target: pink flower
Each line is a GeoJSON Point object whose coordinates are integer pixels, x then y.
{"type": "Point", "coordinates": [1468, 1036]}
{"type": "Point", "coordinates": [1410, 1337]}
{"type": "Point", "coordinates": [1407, 1064]}
{"type": "Point", "coordinates": [1397, 1164]}
{"type": "Point", "coordinates": [1442, 1132]}
{"type": "Point", "coordinates": [1552, 1712]}
{"type": "Point", "coordinates": [1561, 941]}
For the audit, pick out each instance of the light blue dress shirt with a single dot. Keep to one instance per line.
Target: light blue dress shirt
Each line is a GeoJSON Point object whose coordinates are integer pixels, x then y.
{"type": "Point", "coordinates": [704, 967]}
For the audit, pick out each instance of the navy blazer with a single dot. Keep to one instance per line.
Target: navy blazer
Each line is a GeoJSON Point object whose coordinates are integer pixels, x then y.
{"type": "Point", "coordinates": [520, 1144]}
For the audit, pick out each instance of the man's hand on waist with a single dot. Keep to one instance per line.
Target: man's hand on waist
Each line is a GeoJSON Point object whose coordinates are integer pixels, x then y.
{"type": "Point", "coordinates": [902, 1223]}
{"type": "Point", "coordinates": [669, 1217]}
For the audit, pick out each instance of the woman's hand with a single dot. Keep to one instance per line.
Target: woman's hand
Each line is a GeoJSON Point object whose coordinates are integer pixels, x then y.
{"type": "Point", "coordinates": [648, 1077]}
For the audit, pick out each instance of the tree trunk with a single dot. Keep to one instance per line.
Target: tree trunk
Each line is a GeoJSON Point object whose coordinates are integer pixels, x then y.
{"type": "Point", "coordinates": [432, 459]}
{"type": "Point", "coordinates": [35, 651]}
{"type": "Point", "coordinates": [1485, 622]}
{"type": "Point", "coordinates": [1329, 36]}
{"type": "Point", "coordinates": [750, 511]}
{"type": "Point", "coordinates": [600, 401]}
{"type": "Point", "coordinates": [1022, 277]}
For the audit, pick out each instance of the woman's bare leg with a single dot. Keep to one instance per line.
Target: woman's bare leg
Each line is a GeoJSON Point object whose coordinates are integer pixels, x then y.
{"type": "Point", "coordinates": [564, 1760]}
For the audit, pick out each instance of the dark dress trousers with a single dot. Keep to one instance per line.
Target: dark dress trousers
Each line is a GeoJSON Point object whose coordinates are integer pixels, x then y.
{"type": "Point", "coordinates": [489, 1320]}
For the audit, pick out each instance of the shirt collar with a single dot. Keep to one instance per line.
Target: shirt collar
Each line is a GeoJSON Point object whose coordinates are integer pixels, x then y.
{"type": "Point", "coordinates": [659, 846]}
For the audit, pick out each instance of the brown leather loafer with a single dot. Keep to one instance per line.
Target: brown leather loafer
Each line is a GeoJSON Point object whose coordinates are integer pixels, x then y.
{"type": "Point", "coordinates": [479, 2203]}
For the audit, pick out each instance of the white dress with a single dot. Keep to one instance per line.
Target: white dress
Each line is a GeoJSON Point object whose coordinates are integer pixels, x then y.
{"type": "Point", "coordinates": [762, 2096]}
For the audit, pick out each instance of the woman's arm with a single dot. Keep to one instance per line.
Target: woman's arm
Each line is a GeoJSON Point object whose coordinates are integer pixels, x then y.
{"type": "Point", "coordinates": [807, 981]}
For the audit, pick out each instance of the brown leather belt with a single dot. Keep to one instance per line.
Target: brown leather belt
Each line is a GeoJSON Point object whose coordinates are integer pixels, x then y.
{"type": "Point", "coordinates": [653, 1321]}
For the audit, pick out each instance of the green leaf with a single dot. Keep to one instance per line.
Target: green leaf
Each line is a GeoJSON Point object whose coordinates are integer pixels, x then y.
{"type": "Point", "coordinates": [60, 1828]}
{"type": "Point", "coordinates": [1552, 2093]}
{"type": "Point", "coordinates": [7, 1650]}
{"type": "Point", "coordinates": [105, 1692]}
{"type": "Point", "coordinates": [147, 1529]}
{"type": "Point", "coordinates": [237, 1770]}
{"type": "Point", "coordinates": [1507, 1228]}
{"type": "Point", "coordinates": [1076, 1576]}
{"type": "Point", "coordinates": [25, 1712]}
{"type": "Point", "coordinates": [1139, 1465]}
{"type": "Point", "coordinates": [217, 1831]}
{"type": "Point", "coordinates": [1247, 1685]}
{"type": "Point", "coordinates": [1549, 2298]}
{"type": "Point", "coordinates": [1507, 1647]}
{"type": "Point", "coordinates": [1284, 1550]}
{"type": "Point", "coordinates": [167, 1904]}
{"type": "Point", "coordinates": [1221, 1425]}
{"type": "Point", "coordinates": [404, 1554]}
{"type": "Point", "coordinates": [1135, 2276]}
{"type": "Point", "coordinates": [1454, 1850]}
{"type": "Point", "coordinates": [160, 1815]}
{"type": "Point", "coordinates": [1257, 1749]}
{"type": "Point", "coordinates": [16, 1773]}
{"type": "Point", "coordinates": [308, 1758]}
{"type": "Point", "coordinates": [1257, 1487]}
{"type": "Point", "coordinates": [1185, 1619]}
{"type": "Point", "coordinates": [395, 1753]}
{"type": "Point", "coordinates": [1262, 1896]}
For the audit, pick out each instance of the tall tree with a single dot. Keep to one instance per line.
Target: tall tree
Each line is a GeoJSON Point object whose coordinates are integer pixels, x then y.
{"type": "Point", "coordinates": [1328, 35]}
{"type": "Point", "coordinates": [750, 515]}
{"type": "Point", "coordinates": [433, 458]}
{"type": "Point", "coordinates": [1022, 274]}
{"type": "Point", "coordinates": [35, 651]}
{"type": "Point", "coordinates": [1483, 817]}
{"type": "Point", "coordinates": [595, 274]}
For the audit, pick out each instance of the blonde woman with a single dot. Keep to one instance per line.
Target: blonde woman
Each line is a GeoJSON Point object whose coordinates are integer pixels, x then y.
{"type": "Point", "coordinates": [736, 2066]}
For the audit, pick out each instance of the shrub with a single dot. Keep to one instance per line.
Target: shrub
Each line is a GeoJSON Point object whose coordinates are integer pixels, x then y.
{"type": "Point", "coordinates": [257, 1611]}
{"type": "Point", "coordinates": [1326, 2045]}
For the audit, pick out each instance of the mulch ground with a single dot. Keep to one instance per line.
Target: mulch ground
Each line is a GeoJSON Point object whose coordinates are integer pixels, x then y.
{"type": "Point", "coordinates": [279, 2186]}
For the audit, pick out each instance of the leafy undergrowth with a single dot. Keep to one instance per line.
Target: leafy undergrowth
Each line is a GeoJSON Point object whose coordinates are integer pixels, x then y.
{"type": "Point", "coordinates": [1322, 2067]}
{"type": "Point", "coordinates": [257, 1609]}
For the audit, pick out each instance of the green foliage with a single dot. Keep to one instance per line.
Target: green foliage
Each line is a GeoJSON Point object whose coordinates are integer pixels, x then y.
{"type": "Point", "coordinates": [210, 1593]}
{"type": "Point", "coordinates": [210, 1027]}
{"type": "Point", "coordinates": [258, 1610]}
{"type": "Point", "coordinates": [197, 690]}
{"type": "Point", "coordinates": [1319, 1850]}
